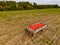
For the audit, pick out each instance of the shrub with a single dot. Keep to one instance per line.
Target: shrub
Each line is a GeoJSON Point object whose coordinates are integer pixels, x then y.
{"type": "Point", "coordinates": [1, 8]}
{"type": "Point", "coordinates": [29, 7]}
{"type": "Point", "coordinates": [19, 8]}
{"type": "Point", "coordinates": [7, 8]}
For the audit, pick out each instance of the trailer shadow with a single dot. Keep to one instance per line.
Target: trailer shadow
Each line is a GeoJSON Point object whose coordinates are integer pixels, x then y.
{"type": "Point", "coordinates": [29, 34]}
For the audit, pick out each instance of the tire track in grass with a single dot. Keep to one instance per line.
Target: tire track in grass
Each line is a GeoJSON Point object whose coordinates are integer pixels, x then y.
{"type": "Point", "coordinates": [3, 39]}
{"type": "Point", "coordinates": [9, 31]}
{"type": "Point", "coordinates": [3, 33]}
{"type": "Point", "coordinates": [46, 19]}
{"type": "Point", "coordinates": [48, 29]}
{"type": "Point", "coordinates": [34, 21]}
{"type": "Point", "coordinates": [10, 36]}
{"type": "Point", "coordinates": [53, 31]}
{"type": "Point", "coordinates": [40, 19]}
{"type": "Point", "coordinates": [13, 40]}
{"type": "Point", "coordinates": [52, 34]}
{"type": "Point", "coordinates": [58, 41]}
{"type": "Point", "coordinates": [55, 38]}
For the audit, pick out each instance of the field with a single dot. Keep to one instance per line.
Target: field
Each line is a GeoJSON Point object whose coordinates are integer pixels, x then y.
{"type": "Point", "coordinates": [13, 24]}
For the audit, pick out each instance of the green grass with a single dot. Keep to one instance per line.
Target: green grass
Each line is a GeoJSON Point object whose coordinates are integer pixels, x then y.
{"type": "Point", "coordinates": [13, 23]}
{"type": "Point", "coordinates": [23, 13]}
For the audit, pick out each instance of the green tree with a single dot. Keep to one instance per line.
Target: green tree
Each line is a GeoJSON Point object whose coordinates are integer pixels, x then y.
{"type": "Point", "coordinates": [25, 5]}
{"type": "Point", "coordinates": [1, 8]}
{"type": "Point", "coordinates": [35, 5]}
{"type": "Point", "coordinates": [2, 3]}
{"type": "Point", "coordinates": [11, 4]}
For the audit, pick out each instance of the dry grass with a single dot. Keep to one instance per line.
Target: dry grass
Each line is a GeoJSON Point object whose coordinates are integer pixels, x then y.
{"type": "Point", "coordinates": [13, 23]}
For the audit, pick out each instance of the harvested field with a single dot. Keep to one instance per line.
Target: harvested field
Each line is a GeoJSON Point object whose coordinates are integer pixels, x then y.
{"type": "Point", "coordinates": [13, 24]}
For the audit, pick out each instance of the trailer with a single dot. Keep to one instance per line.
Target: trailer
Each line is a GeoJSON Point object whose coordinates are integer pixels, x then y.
{"type": "Point", "coordinates": [34, 28]}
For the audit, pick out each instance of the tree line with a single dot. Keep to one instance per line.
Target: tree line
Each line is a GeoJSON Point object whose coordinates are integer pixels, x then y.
{"type": "Point", "coordinates": [12, 5]}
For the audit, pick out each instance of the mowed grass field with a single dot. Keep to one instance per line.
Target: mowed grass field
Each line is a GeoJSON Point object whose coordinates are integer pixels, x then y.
{"type": "Point", "coordinates": [13, 24]}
